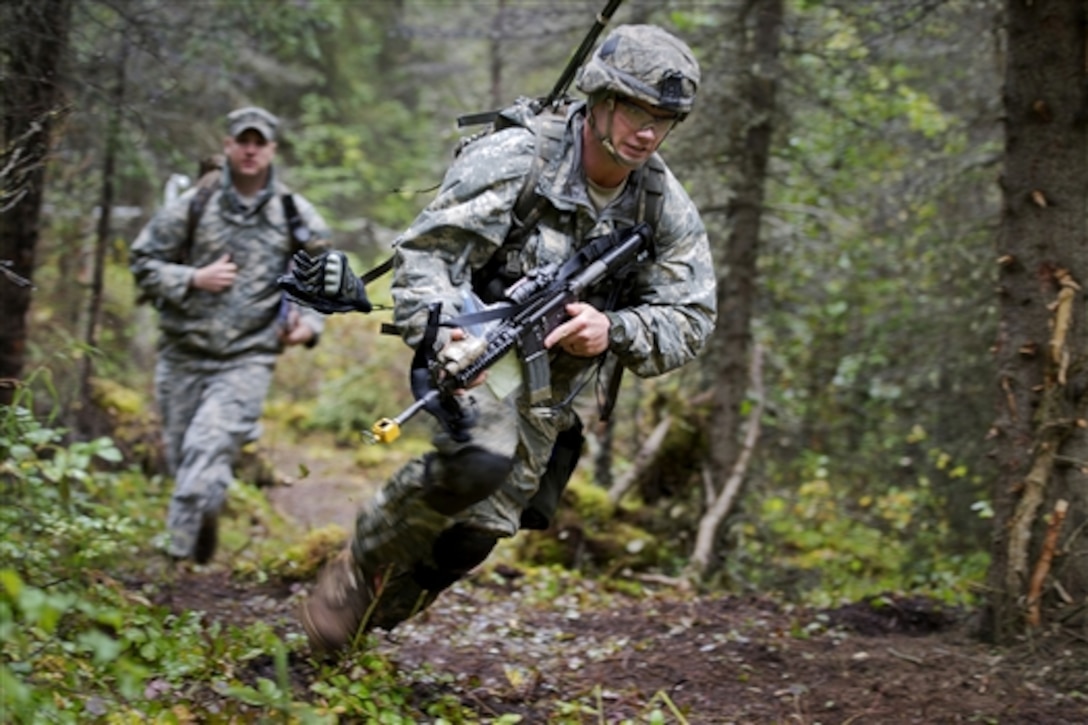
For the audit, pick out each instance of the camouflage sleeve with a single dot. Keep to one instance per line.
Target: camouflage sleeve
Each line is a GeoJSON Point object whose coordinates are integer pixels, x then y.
{"type": "Point", "coordinates": [459, 230]}
{"type": "Point", "coordinates": [153, 255]}
{"type": "Point", "coordinates": [675, 296]}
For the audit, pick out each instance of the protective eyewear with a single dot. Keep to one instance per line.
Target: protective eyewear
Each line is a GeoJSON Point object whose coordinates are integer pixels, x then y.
{"type": "Point", "coordinates": [641, 119]}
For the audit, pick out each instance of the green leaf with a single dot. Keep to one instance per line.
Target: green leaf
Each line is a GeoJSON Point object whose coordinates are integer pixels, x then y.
{"type": "Point", "coordinates": [101, 646]}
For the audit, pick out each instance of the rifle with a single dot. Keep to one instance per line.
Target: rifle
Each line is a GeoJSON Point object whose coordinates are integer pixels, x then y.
{"type": "Point", "coordinates": [559, 91]}
{"type": "Point", "coordinates": [536, 305]}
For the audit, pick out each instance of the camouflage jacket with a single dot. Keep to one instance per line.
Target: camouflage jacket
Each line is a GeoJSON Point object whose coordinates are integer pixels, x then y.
{"type": "Point", "coordinates": [243, 319]}
{"type": "Point", "coordinates": [672, 307]}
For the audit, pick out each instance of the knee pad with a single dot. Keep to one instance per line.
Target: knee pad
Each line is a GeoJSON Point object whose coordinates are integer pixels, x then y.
{"type": "Point", "coordinates": [456, 551]}
{"type": "Point", "coordinates": [455, 481]}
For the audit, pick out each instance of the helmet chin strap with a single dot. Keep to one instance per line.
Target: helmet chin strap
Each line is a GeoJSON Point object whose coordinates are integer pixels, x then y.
{"type": "Point", "coordinates": [606, 138]}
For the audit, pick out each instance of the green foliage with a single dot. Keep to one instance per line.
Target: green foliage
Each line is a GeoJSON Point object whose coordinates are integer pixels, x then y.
{"type": "Point", "coordinates": [51, 491]}
{"type": "Point", "coordinates": [63, 624]}
{"type": "Point", "coordinates": [825, 544]}
{"type": "Point", "coordinates": [587, 535]}
{"type": "Point", "coordinates": [364, 689]}
{"type": "Point", "coordinates": [356, 376]}
{"type": "Point", "coordinates": [78, 645]}
{"type": "Point", "coordinates": [303, 561]}
{"type": "Point", "coordinates": [342, 167]}
{"type": "Point", "coordinates": [874, 309]}
{"type": "Point", "coordinates": [354, 147]}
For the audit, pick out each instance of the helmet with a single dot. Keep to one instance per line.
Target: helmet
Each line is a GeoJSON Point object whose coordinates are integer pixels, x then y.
{"type": "Point", "coordinates": [646, 63]}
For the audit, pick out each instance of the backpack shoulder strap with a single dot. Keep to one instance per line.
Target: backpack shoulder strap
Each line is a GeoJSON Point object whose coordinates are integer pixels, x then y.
{"type": "Point", "coordinates": [529, 205]}
{"type": "Point", "coordinates": [297, 228]}
{"type": "Point", "coordinates": [651, 195]}
{"type": "Point", "coordinates": [209, 175]}
{"type": "Point", "coordinates": [196, 210]}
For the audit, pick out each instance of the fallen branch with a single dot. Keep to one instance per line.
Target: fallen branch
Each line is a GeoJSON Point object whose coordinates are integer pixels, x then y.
{"type": "Point", "coordinates": [720, 505]}
{"type": "Point", "coordinates": [905, 657]}
{"type": "Point", "coordinates": [643, 459]}
{"type": "Point", "coordinates": [678, 583]}
{"type": "Point", "coordinates": [1042, 567]}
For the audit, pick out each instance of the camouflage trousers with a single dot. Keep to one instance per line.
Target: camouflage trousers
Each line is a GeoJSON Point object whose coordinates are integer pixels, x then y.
{"type": "Point", "coordinates": [395, 532]}
{"type": "Point", "coordinates": [209, 409]}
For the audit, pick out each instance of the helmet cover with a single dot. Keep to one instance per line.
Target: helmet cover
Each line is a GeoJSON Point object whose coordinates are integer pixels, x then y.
{"type": "Point", "coordinates": [646, 63]}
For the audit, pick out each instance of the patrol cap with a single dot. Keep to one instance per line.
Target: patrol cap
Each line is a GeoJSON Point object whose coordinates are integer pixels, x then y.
{"type": "Point", "coordinates": [643, 62]}
{"type": "Point", "coordinates": [258, 119]}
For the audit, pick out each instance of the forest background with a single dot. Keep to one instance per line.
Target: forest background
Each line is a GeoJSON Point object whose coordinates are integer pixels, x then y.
{"type": "Point", "coordinates": [840, 438]}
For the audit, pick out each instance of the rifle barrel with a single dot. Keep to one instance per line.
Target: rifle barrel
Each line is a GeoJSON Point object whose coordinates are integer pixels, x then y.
{"type": "Point", "coordinates": [561, 86]}
{"type": "Point", "coordinates": [579, 56]}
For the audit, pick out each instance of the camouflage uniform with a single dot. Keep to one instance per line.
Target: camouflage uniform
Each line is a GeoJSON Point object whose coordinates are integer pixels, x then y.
{"type": "Point", "coordinates": [408, 546]}
{"type": "Point", "coordinates": [460, 230]}
{"type": "Point", "coordinates": [217, 351]}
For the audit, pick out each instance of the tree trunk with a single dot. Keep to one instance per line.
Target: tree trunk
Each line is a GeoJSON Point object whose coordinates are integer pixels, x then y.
{"type": "Point", "coordinates": [35, 34]}
{"type": "Point", "coordinates": [1041, 429]}
{"type": "Point", "coordinates": [105, 214]}
{"type": "Point", "coordinates": [495, 57]}
{"type": "Point", "coordinates": [726, 366]}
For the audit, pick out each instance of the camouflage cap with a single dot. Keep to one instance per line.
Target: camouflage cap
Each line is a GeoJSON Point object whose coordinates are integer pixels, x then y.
{"type": "Point", "coordinates": [258, 119]}
{"type": "Point", "coordinates": [643, 62]}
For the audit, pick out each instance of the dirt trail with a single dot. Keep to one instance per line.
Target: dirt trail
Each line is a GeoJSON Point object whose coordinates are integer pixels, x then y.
{"type": "Point", "coordinates": [320, 485]}
{"type": "Point", "coordinates": [502, 642]}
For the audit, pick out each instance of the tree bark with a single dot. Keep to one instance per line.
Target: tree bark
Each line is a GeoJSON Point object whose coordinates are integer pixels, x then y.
{"type": "Point", "coordinates": [35, 36]}
{"type": "Point", "coordinates": [726, 367]}
{"type": "Point", "coordinates": [1040, 432]}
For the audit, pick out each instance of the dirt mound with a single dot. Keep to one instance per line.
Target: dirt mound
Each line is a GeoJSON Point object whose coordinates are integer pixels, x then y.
{"type": "Point", "coordinates": [889, 613]}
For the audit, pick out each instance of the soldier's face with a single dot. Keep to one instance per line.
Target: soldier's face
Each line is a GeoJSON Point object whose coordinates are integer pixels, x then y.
{"type": "Point", "coordinates": [638, 129]}
{"type": "Point", "coordinates": [250, 154]}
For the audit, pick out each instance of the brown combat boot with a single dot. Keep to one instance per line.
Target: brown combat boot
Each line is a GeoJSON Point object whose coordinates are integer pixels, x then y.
{"type": "Point", "coordinates": [334, 611]}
